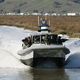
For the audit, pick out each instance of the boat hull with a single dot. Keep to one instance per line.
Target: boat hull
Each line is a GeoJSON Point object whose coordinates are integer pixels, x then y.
{"type": "Point", "coordinates": [44, 56]}
{"type": "Point", "coordinates": [45, 62]}
{"type": "Point", "coordinates": [50, 58]}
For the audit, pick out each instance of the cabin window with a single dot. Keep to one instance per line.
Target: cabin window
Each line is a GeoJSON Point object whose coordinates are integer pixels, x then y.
{"type": "Point", "coordinates": [36, 39]}
{"type": "Point", "coordinates": [53, 39]}
{"type": "Point", "coordinates": [42, 39]}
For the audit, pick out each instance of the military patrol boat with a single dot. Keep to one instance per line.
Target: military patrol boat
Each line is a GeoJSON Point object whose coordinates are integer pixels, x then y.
{"type": "Point", "coordinates": [43, 49]}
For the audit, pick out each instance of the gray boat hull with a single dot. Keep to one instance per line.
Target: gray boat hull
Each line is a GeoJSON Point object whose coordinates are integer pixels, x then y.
{"type": "Point", "coordinates": [47, 62]}
{"type": "Point", "coordinates": [44, 56]}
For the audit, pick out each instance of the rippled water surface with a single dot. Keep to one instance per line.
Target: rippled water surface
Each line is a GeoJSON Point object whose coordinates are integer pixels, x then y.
{"type": "Point", "coordinates": [40, 74]}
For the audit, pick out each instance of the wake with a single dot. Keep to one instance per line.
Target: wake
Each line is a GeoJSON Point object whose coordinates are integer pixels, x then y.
{"type": "Point", "coordinates": [7, 60]}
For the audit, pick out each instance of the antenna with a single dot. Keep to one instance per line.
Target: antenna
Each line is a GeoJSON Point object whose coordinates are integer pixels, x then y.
{"type": "Point", "coordinates": [49, 22]}
{"type": "Point", "coordinates": [38, 21]}
{"type": "Point", "coordinates": [46, 18]}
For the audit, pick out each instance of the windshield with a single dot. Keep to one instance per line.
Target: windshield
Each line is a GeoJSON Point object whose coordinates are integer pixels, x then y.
{"type": "Point", "coordinates": [49, 39]}
{"type": "Point", "coordinates": [36, 39]}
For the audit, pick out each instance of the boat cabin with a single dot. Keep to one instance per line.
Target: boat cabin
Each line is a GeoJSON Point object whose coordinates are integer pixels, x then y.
{"type": "Point", "coordinates": [46, 38]}
{"type": "Point", "coordinates": [43, 36]}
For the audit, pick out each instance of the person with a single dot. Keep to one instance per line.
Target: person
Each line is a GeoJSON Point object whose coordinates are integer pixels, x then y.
{"type": "Point", "coordinates": [59, 40]}
{"type": "Point", "coordinates": [47, 39]}
{"type": "Point", "coordinates": [27, 41]}
{"type": "Point", "coordinates": [43, 21]}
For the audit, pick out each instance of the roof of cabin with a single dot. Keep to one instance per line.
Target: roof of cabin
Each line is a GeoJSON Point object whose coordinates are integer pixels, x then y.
{"type": "Point", "coordinates": [42, 33]}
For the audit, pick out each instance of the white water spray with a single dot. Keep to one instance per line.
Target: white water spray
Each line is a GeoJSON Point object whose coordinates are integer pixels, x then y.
{"type": "Point", "coordinates": [10, 43]}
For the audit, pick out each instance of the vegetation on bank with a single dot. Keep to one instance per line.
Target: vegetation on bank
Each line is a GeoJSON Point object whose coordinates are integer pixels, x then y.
{"type": "Point", "coordinates": [69, 25]}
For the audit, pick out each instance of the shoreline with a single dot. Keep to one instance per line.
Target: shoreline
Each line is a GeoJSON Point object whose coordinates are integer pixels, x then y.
{"type": "Point", "coordinates": [59, 24]}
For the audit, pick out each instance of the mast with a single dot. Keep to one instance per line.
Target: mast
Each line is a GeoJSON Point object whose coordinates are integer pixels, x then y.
{"type": "Point", "coordinates": [38, 21]}
{"type": "Point", "coordinates": [49, 22]}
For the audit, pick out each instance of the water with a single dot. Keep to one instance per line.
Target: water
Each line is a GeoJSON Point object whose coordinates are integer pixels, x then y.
{"type": "Point", "coordinates": [14, 74]}
{"type": "Point", "coordinates": [12, 69]}
{"type": "Point", "coordinates": [40, 74]}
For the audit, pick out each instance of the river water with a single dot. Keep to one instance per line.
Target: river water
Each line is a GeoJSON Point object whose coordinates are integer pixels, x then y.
{"type": "Point", "coordinates": [40, 74]}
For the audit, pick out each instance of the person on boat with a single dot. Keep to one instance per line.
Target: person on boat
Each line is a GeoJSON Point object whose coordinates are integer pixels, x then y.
{"type": "Point", "coordinates": [47, 39]}
{"type": "Point", "coordinates": [59, 40]}
{"type": "Point", "coordinates": [24, 41]}
{"type": "Point", "coordinates": [27, 41]}
{"type": "Point", "coordinates": [43, 21]}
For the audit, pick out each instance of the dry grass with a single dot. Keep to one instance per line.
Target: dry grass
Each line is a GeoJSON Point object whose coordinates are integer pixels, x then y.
{"type": "Point", "coordinates": [67, 24]}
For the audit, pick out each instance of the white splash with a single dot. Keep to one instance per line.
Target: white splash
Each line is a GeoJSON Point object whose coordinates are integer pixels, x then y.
{"type": "Point", "coordinates": [10, 43]}
{"type": "Point", "coordinates": [73, 59]}
{"type": "Point", "coordinates": [7, 60]}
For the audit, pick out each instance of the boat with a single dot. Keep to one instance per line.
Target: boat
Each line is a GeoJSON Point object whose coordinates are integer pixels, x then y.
{"type": "Point", "coordinates": [44, 49]}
